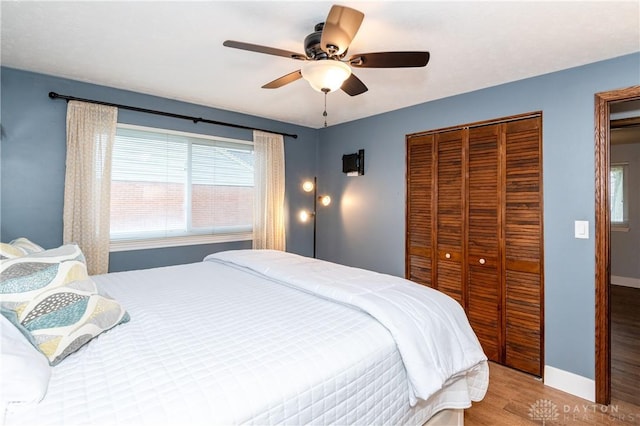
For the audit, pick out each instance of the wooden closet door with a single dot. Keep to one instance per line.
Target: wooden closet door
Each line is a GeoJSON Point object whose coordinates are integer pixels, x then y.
{"type": "Point", "coordinates": [450, 211]}
{"type": "Point", "coordinates": [483, 236]}
{"type": "Point", "coordinates": [523, 246]}
{"type": "Point", "coordinates": [419, 205]}
{"type": "Point", "coordinates": [474, 230]}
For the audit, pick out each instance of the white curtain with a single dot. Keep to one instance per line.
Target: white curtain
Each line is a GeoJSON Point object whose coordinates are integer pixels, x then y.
{"type": "Point", "coordinates": [91, 131]}
{"type": "Point", "coordinates": [268, 206]}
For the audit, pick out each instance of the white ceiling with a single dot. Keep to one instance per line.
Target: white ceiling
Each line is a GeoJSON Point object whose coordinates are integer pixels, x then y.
{"type": "Point", "coordinates": [174, 49]}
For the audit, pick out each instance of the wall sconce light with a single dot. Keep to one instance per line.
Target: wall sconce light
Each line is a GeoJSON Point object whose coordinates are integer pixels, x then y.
{"type": "Point", "coordinates": [353, 164]}
{"type": "Point", "coordinates": [305, 215]}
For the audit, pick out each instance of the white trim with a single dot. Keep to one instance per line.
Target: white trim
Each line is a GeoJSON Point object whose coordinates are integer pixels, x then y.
{"type": "Point", "coordinates": [625, 281]}
{"type": "Point", "coordinates": [570, 383]}
{"type": "Point", "coordinates": [192, 240]}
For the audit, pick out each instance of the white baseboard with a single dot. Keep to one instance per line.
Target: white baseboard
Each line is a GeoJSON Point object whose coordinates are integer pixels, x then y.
{"type": "Point", "coordinates": [625, 281]}
{"type": "Point", "coordinates": [570, 383]}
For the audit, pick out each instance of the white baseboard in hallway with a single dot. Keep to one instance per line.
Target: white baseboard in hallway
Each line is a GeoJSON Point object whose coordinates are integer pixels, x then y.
{"type": "Point", "coordinates": [570, 383]}
{"type": "Point", "coordinates": [625, 281]}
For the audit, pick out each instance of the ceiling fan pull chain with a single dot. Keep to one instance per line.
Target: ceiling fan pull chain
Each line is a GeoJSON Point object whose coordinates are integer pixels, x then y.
{"type": "Point", "coordinates": [324, 114]}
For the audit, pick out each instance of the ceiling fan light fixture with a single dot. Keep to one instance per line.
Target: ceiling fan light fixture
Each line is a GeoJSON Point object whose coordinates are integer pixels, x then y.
{"type": "Point", "coordinates": [325, 74]}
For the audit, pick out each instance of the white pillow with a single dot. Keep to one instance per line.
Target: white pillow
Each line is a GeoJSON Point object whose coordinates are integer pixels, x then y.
{"type": "Point", "coordinates": [24, 371]}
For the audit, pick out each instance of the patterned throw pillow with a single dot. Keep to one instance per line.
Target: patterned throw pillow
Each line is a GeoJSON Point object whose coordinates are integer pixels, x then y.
{"type": "Point", "coordinates": [7, 251]}
{"type": "Point", "coordinates": [50, 298]}
{"type": "Point", "coordinates": [26, 245]}
{"type": "Point", "coordinates": [18, 247]}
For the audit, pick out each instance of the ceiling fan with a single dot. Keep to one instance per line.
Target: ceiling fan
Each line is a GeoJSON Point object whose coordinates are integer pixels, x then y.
{"type": "Point", "coordinates": [326, 66]}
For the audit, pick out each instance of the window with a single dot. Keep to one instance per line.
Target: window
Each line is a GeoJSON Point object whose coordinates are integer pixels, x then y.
{"type": "Point", "coordinates": [172, 188]}
{"type": "Point", "coordinates": [619, 196]}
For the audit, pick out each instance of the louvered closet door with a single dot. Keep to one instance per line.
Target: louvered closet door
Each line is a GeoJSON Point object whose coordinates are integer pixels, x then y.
{"type": "Point", "coordinates": [483, 260]}
{"type": "Point", "coordinates": [419, 190]}
{"type": "Point", "coordinates": [523, 246]}
{"type": "Point", "coordinates": [449, 213]}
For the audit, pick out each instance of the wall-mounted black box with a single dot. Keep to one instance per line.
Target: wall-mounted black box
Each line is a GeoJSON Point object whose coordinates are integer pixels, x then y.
{"type": "Point", "coordinates": [353, 164]}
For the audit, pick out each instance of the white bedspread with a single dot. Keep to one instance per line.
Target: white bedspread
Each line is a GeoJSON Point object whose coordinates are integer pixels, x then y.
{"type": "Point", "coordinates": [210, 344]}
{"type": "Point", "coordinates": [431, 330]}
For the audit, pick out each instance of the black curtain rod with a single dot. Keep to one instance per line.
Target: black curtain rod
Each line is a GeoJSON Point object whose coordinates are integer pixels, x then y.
{"type": "Point", "coordinates": [54, 95]}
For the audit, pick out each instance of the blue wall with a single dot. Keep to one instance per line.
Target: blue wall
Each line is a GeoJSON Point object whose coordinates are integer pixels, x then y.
{"type": "Point", "coordinates": [33, 152]}
{"type": "Point", "coordinates": [365, 226]}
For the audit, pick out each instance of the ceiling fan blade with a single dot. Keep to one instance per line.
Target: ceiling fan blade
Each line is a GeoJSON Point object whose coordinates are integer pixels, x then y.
{"type": "Point", "coordinates": [340, 28]}
{"type": "Point", "coordinates": [353, 86]}
{"type": "Point", "coordinates": [285, 79]}
{"type": "Point", "coordinates": [390, 60]}
{"type": "Point", "coordinates": [264, 49]}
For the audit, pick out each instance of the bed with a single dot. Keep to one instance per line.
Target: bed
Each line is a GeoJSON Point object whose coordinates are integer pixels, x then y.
{"type": "Point", "coordinates": [259, 337]}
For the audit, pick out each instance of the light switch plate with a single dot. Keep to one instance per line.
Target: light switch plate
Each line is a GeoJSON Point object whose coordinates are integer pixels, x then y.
{"type": "Point", "coordinates": [582, 229]}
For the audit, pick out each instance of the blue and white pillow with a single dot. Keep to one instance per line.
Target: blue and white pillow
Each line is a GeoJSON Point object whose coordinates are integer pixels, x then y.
{"type": "Point", "coordinates": [51, 299]}
{"type": "Point", "coordinates": [18, 247]}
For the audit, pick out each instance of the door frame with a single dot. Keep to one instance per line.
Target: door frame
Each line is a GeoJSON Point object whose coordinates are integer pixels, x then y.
{"type": "Point", "coordinates": [603, 101]}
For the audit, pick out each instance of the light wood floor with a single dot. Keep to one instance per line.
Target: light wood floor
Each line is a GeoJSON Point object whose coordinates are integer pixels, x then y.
{"type": "Point", "coordinates": [513, 395]}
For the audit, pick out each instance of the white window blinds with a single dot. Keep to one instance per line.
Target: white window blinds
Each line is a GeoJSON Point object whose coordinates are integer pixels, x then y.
{"type": "Point", "coordinates": [168, 184]}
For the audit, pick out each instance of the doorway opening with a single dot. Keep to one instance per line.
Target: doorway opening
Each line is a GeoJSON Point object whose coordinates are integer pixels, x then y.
{"type": "Point", "coordinates": [603, 103]}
